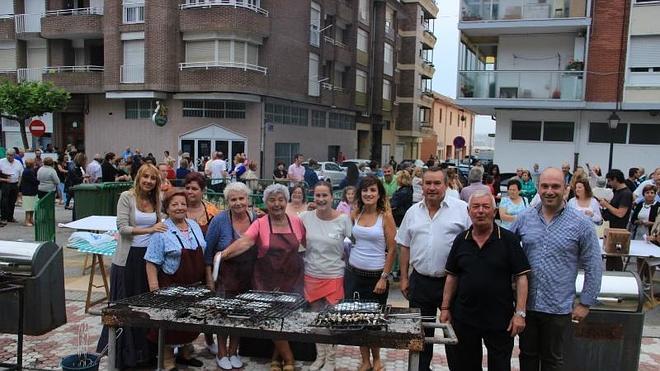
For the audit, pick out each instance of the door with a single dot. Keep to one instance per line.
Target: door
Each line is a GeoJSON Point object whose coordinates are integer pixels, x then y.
{"type": "Point", "coordinates": [333, 153]}
{"type": "Point", "coordinates": [237, 147]}
{"type": "Point", "coordinates": [203, 150]}
{"type": "Point", "coordinates": [189, 147]}
{"type": "Point", "coordinates": [73, 130]}
{"type": "Point", "coordinates": [398, 152]}
{"type": "Point", "coordinates": [385, 154]}
{"type": "Point", "coordinates": [222, 146]}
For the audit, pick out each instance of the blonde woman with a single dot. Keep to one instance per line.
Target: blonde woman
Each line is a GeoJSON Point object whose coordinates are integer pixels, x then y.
{"type": "Point", "coordinates": [454, 185]}
{"type": "Point", "coordinates": [138, 217]}
{"type": "Point", "coordinates": [417, 184]}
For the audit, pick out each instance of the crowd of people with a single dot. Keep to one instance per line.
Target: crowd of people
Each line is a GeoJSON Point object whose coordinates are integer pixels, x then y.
{"type": "Point", "coordinates": [454, 244]}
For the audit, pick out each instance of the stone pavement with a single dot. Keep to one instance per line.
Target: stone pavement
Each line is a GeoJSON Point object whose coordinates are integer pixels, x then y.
{"type": "Point", "coordinates": [45, 352]}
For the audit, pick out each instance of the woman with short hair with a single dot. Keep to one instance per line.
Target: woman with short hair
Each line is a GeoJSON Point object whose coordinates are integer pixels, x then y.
{"type": "Point", "coordinates": [298, 202]}
{"type": "Point", "coordinates": [47, 177]}
{"type": "Point", "coordinates": [512, 205]}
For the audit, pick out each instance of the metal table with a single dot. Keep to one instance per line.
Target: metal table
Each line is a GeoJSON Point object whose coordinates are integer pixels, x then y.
{"type": "Point", "coordinates": [401, 333]}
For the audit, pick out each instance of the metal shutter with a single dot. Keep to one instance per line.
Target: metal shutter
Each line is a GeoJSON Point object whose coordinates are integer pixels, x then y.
{"type": "Point", "coordinates": [134, 53]}
{"type": "Point", "coordinates": [7, 55]}
{"type": "Point", "coordinates": [200, 51]}
{"type": "Point", "coordinates": [644, 51]}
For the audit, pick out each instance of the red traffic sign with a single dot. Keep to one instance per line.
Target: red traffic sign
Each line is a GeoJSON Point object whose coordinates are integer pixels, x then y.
{"type": "Point", "coordinates": [37, 128]}
{"type": "Point", "coordinates": [459, 142]}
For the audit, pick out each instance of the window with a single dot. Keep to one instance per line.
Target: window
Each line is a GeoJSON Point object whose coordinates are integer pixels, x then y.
{"type": "Point", "coordinates": [315, 24]}
{"type": "Point", "coordinates": [388, 60]}
{"type": "Point", "coordinates": [426, 85]}
{"type": "Point", "coordinates": [389, 20]}
{"type": "Point", "coordinates": [6, 8]}
{"type": "Point", "coordinates": [341, 121]}
{"type": "Point", "coordinates": [313, 85]}
{"type": "Point", "coordinates": [644, 134]}
{"type": "Point", "coordinates": [318, 119]}
{"type": "Point", "coordinates": [644, 61]}
{"type": "Point", "coordinates": [133, 11]}
{"type": "Point", "coordinates": [132, 71]}
{"type": "Point", "coordinates": [285, 151]}
{"type": "Point", "coordinates": [362, 40]}
{"type": "Point", "coordinates": [222, 52]}
{"type": "Point", "coordinates": [339, 33]}
{"type": "Point", "coordinates": [423, 114]}
{"type": "Point", "coordinates": [451, 117]}
{"type": "Point", "coordinates": [338, 82]}
{"type": "Point", "coordinates": [360, 81]}
{"type": "Point", "coordinates": [214, 108]}
{"type": "Point", "coordinates": [387, 90]}
{"type": "Point", "coordinates": [440, 115]}
{"type": "Point", "coordinates": [363, 11]}
{"type": "Point", "coordinates": [331, 166]}
{"type": "Point", "coordinates": [7, 55]}
{"type": "Point", "coordinates": [526, 130]}
{"type": "Point", "coordinates": [286, 115]}
{"type": "Point", "coordinates": [139, 108]}
{"type": "Point", "coordinates": [599, 132]}
{"type": "Point", "coordinates": [558, 131]}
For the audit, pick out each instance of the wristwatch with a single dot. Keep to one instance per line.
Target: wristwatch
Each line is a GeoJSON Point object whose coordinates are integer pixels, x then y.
{"type": "Point", "coordinates": [520, 313]}
{"type": "Point", "coordinates": [386, 276]}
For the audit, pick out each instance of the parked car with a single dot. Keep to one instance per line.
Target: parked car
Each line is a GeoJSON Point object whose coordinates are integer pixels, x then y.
{"type": "Point", "coordinates": [358, 162]}
{"type": "Point", "coordinates": [329, 171]}
{"type": "Point", "coordinates": [504, 182]}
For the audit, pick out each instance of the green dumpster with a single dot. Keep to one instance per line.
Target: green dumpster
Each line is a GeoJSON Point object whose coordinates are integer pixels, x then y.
{"type": "Point", "coordinates": [112, 191]}
{"type": "Point", "coordinates": [87, 201]}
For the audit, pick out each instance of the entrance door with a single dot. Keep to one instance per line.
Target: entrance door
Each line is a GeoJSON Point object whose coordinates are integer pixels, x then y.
{"type": "Point", "coordinates": [73, 130]}
{"type": "Point", "coordinates": [385, 154]}
{"type": "Point", "coordinates": [333, 153]}
{"type": "Point", "coordinates": [398, 152]}
{"type": "Point", "coordinates": [237, 147]}
{"type": "Point", "coordinates": [222, 146]}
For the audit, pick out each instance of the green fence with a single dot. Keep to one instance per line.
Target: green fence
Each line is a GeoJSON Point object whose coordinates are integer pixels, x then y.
{"type": "Point", "coordinates": [44, 218]}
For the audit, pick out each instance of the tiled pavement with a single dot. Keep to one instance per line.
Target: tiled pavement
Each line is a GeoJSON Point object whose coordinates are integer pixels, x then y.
{"type": "Point", "coordinates": [45, 352]}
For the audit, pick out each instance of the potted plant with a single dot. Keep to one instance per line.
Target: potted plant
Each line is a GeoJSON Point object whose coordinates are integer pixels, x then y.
{"type": "Point", "coordinates": [556, 94]}
{"type": "Point", "coordinates": [574, 65]}
{"type": "Point", "coordinates": [467, 90]}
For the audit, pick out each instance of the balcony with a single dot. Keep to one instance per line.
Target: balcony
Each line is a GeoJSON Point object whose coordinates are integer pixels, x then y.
{"type": "Point", "coordinates": [29, 74]}
{"type": "Point", "coordinates": [240, 17]}
{"type": "Point", "coordinates": [131, 74]}
{"type": "Point", "coordinates": [360, 99]}
{"type": "Point", "coordinates": [522, 89]}
{"type": "Point", "coordinates": [83, 23]}
{"type": "Point", "coordinates": [427, 69]}
{"type": "Point", "coordinates": [493, 17]}
{"type": "Point", "coordinates": [223, 76]}
{"type": "Point", "coordinates": [8, 75]}
{"type": "Point", "coordinates": [428, 39]}
{"type": "Point", "coordinates": [7, 28]}
{"type": "Point", "coordinates": [337, 96]}
{"type": "Point", "coordinates": [28, 25]}
{"type": "Point", "coordinates": [76, 79]}
{"type": "Point", "coordinates": [429, 6]}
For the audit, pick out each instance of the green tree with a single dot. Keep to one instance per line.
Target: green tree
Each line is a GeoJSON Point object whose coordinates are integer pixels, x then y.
{"type": "Point", "coordinates": [27, 99]}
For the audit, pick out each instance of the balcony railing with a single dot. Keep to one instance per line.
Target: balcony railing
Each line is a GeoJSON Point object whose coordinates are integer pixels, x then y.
{"type": "Point", "coordinates": [62, 69]}
{"type": "Point", "coordinates": [132, 74]}
{"type": "Point", "coordinates": [35, 74]}
{"type": "Point", "coordinates": [79, 11]}
{"type": "Point", "coordinates": [562, 85]}
{"type": "Point", "coordinates": [247, 4]}
{"type": "Point", "coordinates": [28, 23]}
{"type": "Point", "coordinates": [493, 10]}
{"type": "Point", "coordinates": [29, 74]}
{"type": "Point", "coordinates": [332, 41]}
{"type": "Point", "coordinates": [209, 65]}
{"type": "Point", "coordinates": [329, 86]}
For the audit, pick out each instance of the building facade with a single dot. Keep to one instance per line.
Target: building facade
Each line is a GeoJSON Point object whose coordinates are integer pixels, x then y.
{"type": "Point", "coordinates": [552, 72]}
{"type": "Point", "coordinates": [449, 123]}
{"type": "Point", "coordinates": [263, 77]}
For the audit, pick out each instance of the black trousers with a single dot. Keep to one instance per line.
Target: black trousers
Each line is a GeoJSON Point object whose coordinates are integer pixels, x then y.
{"type": "Point", "coordinates": [542, 342]}
{"type": "Point", "coordinates": [468, 353]}
{"type": "Point", "coordinates": [425, 293]}
{"type": "Point", "coordinates": [8, 203]}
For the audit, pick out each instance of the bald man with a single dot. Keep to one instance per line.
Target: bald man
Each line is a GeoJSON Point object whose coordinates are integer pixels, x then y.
{"type": "Point", "coordinates": [557, 240]}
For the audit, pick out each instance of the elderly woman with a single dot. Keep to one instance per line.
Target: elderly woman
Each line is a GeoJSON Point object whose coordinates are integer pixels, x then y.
{"type": "Point", "coordinates": [644, 213]}
{"type": "Point", "coordinates": [29, 189]}
{"type": "Point", "coordinates": [138, 217]}
{"type": "Point", "coordinates": [512, 204]}
{"type": "Point", "coordinates": [402, 198]}
{"type": "Point", "coordinates": [278, 237]}
{"type": "Point", "coordinates": [176, 257]}
{"type": "Point", "coordinates": [324, 268]}
{"type": "Point", "coordinates": [528, 188]}
{"type": "Point", "coordinates": [48, 179]}
{"type": "Point", "coordinates": [236, 274]}
{"type": "Point", "coordinates": [298, 202]}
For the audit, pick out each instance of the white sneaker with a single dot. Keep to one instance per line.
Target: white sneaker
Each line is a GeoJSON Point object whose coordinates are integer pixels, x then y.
{"type": "Point", "coordinates": [236, 361]}
{"type": "Point", "coordinates": [224, 363]}
{"type": "Point", "coordinates": [213, 348]}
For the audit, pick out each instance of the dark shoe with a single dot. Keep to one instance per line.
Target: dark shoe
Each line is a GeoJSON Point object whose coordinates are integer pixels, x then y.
{"type": "Point", "coordinates": [12, 220]}
{"type": "Point", "coordinates": [194, 362]}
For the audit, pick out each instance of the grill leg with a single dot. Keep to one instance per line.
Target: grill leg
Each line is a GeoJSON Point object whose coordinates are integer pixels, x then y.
{"type": "Point", "coordinates": [161, 349]}
{"type": "Point", "coordinates": [19, 346]}
{"type": "Point", "coordinates": [112, 348]}
{"type": "Point", "coordinates": [413, 361]}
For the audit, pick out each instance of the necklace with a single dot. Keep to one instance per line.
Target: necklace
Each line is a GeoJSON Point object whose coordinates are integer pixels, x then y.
{"type": "Point", "coordinates": [646, 206]}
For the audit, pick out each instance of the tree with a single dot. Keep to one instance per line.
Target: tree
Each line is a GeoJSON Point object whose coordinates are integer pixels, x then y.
{"type": "Point", "coordinates": [27, 99]}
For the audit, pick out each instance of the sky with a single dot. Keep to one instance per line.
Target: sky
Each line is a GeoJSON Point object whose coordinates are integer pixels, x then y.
{"type": "Point", "coordinates": [445, 57]}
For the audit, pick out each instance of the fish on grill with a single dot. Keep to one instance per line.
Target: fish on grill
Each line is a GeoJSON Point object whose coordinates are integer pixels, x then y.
{"type": "Point", "coordinates": [332, 319]}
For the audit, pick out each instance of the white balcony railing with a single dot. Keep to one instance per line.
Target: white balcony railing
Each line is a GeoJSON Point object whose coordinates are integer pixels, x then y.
{"type": "Point", "coordinates": [247, 4]}
{"type": "Point", "coordinates": [218, 64]}
{"type": "Point", "coordinates": [329, 86]}
{"type": "Point", "coordinates": [79, 11]}
{"type": "Point", "coordinates": [132, 74]}
{"type": "Point", "coordinates": [28, 23]}
{"type": "Point", "coordinates": [493, 10]}
{"type": "Point", "coordinates": [561, 85]}
{"type": "Point", "coordinates": [62, 69]}
{"type": "Point", "coordinates": [29, 74]}
{"type": "Point", "coordinates": [332, 41]}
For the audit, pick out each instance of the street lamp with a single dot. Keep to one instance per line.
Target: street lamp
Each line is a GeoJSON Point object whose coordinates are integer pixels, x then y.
{"type": "Point", "coordinates": [612, 122]}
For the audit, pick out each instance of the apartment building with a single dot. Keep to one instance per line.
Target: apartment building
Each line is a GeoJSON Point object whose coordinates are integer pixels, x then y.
{"type": "Point", "coordinates": [552, 73]}
{"type": "Point", "coordinates": [450, 125]}
{"type": "Point", "coordinates": [267, 78]}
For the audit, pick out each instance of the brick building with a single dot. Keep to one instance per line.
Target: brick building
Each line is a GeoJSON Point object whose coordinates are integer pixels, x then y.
{"type": "Point", "coordinates": [552, 73]}
{"type": "Point", "coordinates": [266, 77]}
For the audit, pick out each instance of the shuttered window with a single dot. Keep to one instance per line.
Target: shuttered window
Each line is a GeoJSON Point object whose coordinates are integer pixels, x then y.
{"type": "Point", "coordinates": [313, 85]}
{"type": "Point", "coordinates": [134, 52]}
{"type": "Point", "coordinates": [200, 51]}
{"type": "Point", "coordinates": [222, 51]}
{"type": "Point", "coordinates": [7, 55]}
{"type": "Point", "coordinates": [388, 60]}
{"type": "Point", "coordinates": [360, 81]}
{"type": "Point", "coordinates": [644, 51]}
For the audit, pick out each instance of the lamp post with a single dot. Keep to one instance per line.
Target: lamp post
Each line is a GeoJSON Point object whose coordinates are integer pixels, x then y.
{"type": "Point", "coordinates": [612, 122]}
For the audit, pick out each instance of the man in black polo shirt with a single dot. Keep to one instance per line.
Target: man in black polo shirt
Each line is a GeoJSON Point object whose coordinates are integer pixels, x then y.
{"type": "Point", "coordinates": [481, 265]}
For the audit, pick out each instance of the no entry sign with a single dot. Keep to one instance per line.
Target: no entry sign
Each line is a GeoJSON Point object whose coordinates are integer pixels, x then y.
{"type": "Point", "coordinates": [37, 128]}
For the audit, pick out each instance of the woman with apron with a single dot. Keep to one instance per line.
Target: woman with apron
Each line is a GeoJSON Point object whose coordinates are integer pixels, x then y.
{"type": "Point", "coordinates": [236, 274]}
{"type": "Point", "coordinates": [279, 265]}
{"type": "Point", "coordinates": [176, 257]}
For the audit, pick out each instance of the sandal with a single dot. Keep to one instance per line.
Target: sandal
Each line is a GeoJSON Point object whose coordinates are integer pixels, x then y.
{"type": "Point", "coordinates": [365, 367]}
{"type": "Point", "coordinates": [275, 366]}
{"type": "Point", "coordinates": [289, 368]}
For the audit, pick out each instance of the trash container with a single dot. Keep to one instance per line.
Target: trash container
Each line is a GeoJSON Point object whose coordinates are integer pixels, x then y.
{"type": "Point", "coordinates": [610, 337]}
{"type": "Point", "coordinates": [111, 192]}
{"type": "Point", "coordinates": [87, 202]}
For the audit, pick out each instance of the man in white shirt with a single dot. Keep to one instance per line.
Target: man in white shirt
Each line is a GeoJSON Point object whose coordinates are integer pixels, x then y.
{"type": "Point", "coordinates": [10, 175]}
{"type": "Point", "coordinates": [296, 171]}
{"type": "Point", "coordinates": [651, 180]}
{"type": "Point", "coordinates": [94, 169]}
{"type": "Point", "coordinates": [426, 235]}
{"type": "Point", "coordinates": [217, 171]}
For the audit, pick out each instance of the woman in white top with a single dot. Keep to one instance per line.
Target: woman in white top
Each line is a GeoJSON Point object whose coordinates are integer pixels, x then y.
{"type": "Point", "coordinates": [644, 213]}
{"type": "Point", "coordinates": [324, 268]}
{"type": "Point", "coordinates": [297, 204]}
{"type": "Point", "coordinates": [417, 184]}
{"type": "Point", "coordinates": [585, 201]}
{"type": "Point", "coordinates": [454, 185]}
{"type": "Point", "coordinates": [372, 257]}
